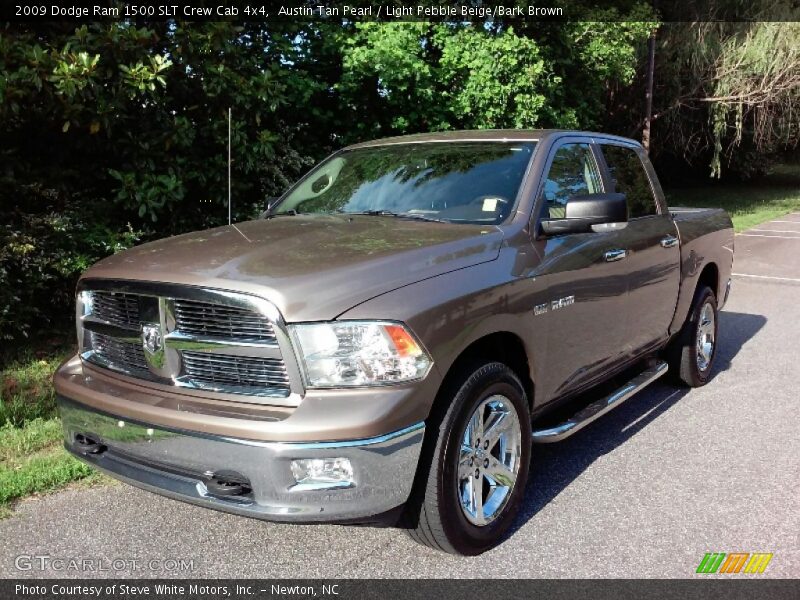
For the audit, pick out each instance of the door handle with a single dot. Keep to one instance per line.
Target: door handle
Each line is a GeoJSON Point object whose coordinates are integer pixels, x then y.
{"type": "Point", "coordinates": [669, 242]}
{"type": "Point", "coordinates": [615, 255]}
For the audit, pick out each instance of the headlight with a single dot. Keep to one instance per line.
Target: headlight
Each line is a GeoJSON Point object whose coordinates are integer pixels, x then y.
{"type": "Point", "coordinates": [359, 353]}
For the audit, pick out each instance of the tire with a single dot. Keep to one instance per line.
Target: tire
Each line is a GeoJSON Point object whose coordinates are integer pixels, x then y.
{"type": "Point", "coordinates": [689, 365]}
{"type": "Point", "coordinates": [434, 514]}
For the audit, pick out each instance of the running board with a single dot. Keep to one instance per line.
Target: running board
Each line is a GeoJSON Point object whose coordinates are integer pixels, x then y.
{"type": "Point", "coordinates": [599, 407]}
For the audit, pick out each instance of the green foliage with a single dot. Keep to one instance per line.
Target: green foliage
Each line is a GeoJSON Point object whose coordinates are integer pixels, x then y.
{"type": "Point", "coordinates": [114, 134]}
{"type": "Point", "coordinates": [32, 457]}
{"type": "Point", "coordinates": [41, 256]}
{"type": "Point", "coordinates": [751, 203]}
{"type": "Point", "coordinates": [32, 437]}
{"type": "Point", "coordinates": [756, 86]}
{"type": "Point", "coordinates": [41, 472]}
{"type": "Point", "coordinates": [494, 81]}
{"type": "Point", "coordinates": [26, 390]}
{"type": "Point", "coordinates": [728, 93]}
{"type": "Point", "coordinates": [421, 76]}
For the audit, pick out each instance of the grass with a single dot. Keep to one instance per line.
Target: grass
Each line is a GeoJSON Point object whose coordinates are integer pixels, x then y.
{"type": "Point", "coordinates": [749, 204]}
{"type": "Point", "coordinates": [32, 458]}
{"type": "Point", "coordinates": [27, 391]}
{"type": "Point", "coordinates": [44, 470]}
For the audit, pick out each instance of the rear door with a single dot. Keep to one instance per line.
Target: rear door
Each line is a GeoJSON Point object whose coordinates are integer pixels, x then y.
{"type": "Point", "coordinates": [651, 240]}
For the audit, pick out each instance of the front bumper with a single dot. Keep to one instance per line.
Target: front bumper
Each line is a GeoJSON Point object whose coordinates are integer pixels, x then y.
{"type": "Point", "coordinates": [184, 465]}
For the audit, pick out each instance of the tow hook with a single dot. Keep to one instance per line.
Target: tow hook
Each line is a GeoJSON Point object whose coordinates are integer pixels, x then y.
{"type": "Point", "coordinates": [86, 443]}
{"type": "Point", "coordinates": [228, 483]}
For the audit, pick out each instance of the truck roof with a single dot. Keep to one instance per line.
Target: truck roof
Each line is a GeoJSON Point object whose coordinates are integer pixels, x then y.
{"type": "Point", "coordinates": [476, 135]}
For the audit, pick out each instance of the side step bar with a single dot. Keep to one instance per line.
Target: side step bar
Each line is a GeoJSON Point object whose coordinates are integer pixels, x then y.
{"type": "Point", "coordinates": [600, 407]}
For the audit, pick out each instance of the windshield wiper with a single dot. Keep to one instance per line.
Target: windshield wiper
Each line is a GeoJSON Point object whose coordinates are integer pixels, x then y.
{"type": "Point", "coordinates": [373, 213]}
{"type": "Point", "coordinates": [419, 217]}
{"type": "Point", "coordinates": [389, 213]}
{"type": "Point", "coordinates": [287, 213]}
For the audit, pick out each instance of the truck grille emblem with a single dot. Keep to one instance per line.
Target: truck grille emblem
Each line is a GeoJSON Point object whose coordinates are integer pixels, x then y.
{"type": "Point", "coordinates": [152, 342]}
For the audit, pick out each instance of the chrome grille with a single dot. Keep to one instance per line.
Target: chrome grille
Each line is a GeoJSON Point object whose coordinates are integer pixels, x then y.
{"type": "Point", "coordinates": [116, 308]}
{"type": "Point", "coordinates": [206, 319]}
{"type": "Point", "coordinates": [116, 354]}
{"type": "Point", "coordinates": [201, 339]}
{"type": "Point", "coordinates": [241, 371]}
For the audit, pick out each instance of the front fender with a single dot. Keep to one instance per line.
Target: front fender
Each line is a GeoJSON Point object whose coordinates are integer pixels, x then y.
{"type": "Point", "coordinates": [450, 312]}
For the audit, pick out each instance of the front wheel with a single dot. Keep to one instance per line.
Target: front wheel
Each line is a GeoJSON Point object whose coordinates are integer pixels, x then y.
{"type": "Point", "coordinates": [477, 466]}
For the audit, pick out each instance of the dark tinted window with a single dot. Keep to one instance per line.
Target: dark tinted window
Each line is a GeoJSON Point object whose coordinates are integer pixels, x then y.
{"type": "Point", "coordinates": [460, 182]}
{"type": "Point", "coordinates": [630, 178]}
{"type": "Point", "coordinates": [572, 173]}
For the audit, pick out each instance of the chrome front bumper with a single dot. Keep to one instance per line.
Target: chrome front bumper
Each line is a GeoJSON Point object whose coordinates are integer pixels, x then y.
{"type": "Point", "coordinates": [183, 465]}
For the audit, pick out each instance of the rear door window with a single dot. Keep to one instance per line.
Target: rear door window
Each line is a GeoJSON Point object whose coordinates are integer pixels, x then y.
{"type": "Point", "coordinates": [629, 177]}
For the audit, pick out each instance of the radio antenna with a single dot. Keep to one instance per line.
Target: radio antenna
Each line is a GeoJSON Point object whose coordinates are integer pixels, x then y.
{"type": "Point", "coordinates": [229, 165]}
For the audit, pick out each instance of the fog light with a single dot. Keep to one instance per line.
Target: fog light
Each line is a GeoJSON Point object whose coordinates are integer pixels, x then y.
{"type": "Point", "coordinates": [321, 473]}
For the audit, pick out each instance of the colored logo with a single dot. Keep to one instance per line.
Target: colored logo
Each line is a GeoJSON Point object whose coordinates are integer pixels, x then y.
{"type": "Point", "coordinates": [736, 562]}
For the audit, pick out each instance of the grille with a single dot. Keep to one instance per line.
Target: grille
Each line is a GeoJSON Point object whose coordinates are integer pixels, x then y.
{"type": "Point", "coordinates": [251, 361]}
{"type": "Point", "coordinates": [119, 355]}
{"type": "Point", "coordinates": [205, 319]}
{"type": "Point", "coordinates": [116, 308]}
{"type": "Point", "coordinates": [243, 371]}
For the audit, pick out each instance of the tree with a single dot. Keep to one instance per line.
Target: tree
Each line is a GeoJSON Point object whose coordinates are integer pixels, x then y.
{"type": "Point", "coordinates": [417, 76]}
{"type": "Point", "coordinates": [728, 94]}
{"type": "Point", "coordinates": [114, 132]}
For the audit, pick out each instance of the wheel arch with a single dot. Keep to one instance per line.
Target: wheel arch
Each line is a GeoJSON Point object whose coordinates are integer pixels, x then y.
{"type": "Point", "coordinates": [709, 276]}
{"type": "Point", "coordinates": [501, 346]}
{"type": "Point", "coordinates": [691, 282]}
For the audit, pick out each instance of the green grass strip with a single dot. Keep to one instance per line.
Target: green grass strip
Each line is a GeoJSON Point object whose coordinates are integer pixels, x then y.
{"type": "Point", "coordinates": [17, 442]}
{"type": "Point", "coordinates": [40, 473]}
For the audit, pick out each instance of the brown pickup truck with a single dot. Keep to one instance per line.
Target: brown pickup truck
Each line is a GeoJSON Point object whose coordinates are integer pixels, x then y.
{"type": "Point", "coordinates": [390, 340]}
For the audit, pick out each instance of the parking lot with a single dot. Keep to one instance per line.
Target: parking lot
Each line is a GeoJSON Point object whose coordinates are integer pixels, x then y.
{"type": "Point", "coordinates": [644, 492]}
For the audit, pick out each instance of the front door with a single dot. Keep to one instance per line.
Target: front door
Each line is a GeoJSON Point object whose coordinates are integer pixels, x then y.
{"type": "Point", "coordinates": [581, 285]}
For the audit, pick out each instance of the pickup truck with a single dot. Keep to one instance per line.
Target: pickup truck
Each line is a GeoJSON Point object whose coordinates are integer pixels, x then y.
{"type": "Point", "coordinates": [392, 338]}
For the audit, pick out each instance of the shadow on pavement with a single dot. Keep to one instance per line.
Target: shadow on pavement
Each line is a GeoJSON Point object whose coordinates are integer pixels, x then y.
{"type": "Point", "coordinates": [555, 466]}
{"type": "Point", "coordinates": [735, 329]}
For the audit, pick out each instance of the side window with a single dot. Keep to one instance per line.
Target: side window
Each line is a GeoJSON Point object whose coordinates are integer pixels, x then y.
{"type": "Point", "coordinates": [573, 173]}
{"type": "Point", "coordinates": [629, 177]}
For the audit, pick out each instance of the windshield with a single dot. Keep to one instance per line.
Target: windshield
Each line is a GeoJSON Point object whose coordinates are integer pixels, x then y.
{"type": "Point", "coordinates": [469, 182]}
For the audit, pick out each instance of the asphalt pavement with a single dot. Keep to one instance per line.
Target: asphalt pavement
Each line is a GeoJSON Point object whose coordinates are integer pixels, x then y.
{"type": "Point", "coordinates": [645, 491]}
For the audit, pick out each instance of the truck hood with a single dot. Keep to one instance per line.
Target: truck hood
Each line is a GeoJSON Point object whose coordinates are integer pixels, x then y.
{"type": "Point", "coordinates": [313, 267]}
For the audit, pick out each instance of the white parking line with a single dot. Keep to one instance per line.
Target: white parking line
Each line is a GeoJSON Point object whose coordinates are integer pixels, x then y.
{"type": "Point", "coordinates": [765, 277]}
{"type": "Point", "coordinates": [776, 230]}
{"type": "Point", "coordinates": [792, 222]}
{"type": "Point", "coordinates": [777, 237]}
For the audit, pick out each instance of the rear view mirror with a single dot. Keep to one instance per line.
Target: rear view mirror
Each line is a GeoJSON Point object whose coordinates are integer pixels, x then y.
{"type": "Point", "coordinates": [581, 212]}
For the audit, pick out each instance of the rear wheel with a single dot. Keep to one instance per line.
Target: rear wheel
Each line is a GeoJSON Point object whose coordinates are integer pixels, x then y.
{"type": "Point", "coordinates": [476, 464]}
{"type": "Point", "coordinates": [695, 348]}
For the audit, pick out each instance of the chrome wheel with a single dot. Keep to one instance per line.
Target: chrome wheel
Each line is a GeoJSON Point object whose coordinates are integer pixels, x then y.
{"type": "Point", "coordinates": [489, 460]}
{"type": "Point", "coordinates": [705, 336]}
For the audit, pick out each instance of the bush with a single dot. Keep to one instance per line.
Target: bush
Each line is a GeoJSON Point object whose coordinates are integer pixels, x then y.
{"type": "Point", "coordinates": [41, 257]}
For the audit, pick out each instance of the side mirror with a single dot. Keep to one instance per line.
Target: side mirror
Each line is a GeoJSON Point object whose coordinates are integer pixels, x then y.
{"type": "Point", "coordinates": [581, 212]}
